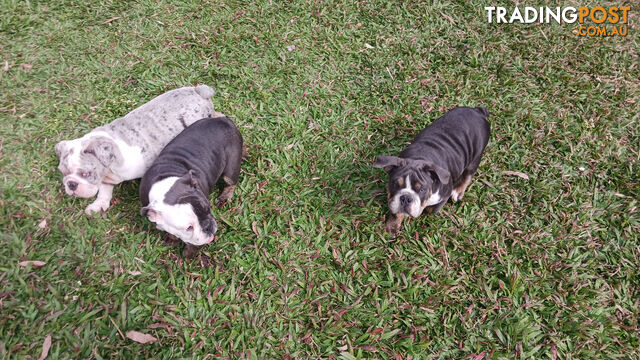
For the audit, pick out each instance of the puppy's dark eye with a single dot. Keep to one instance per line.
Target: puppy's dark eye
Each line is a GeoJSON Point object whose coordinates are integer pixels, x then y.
{"type": "Point", "coordinates": [421, 190]}
{"type": "Point", "coordinates": [190, 228]}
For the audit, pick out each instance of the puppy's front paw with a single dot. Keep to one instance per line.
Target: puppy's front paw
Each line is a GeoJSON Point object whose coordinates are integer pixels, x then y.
{"type": "Point", "coordinates": [190, 251]}
{"type": "Point", "coordinates": [455, 196]}
{"type": "Point", "coordinates": [393, 224]}
{"type": "Point", "coordinates": [171, 240]}
{"type": "Point", "coordinates": [96, 207]}
{"type": "Point", "coordinates": [392, 228]}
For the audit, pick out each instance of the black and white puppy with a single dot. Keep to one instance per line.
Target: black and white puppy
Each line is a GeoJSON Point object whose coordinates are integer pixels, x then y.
{"type": "Point", "coordinates": [438, 164]}
{"type": "Point", "coordinates": [175, 189]}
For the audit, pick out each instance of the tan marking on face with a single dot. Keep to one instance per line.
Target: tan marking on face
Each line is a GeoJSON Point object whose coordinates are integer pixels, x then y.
{"type": "Point", "coordinates": [424, 202]}
{"type": "Point", "coordinates": [418, 186]}
{"type": "Point", "coordinates": [400, 181]}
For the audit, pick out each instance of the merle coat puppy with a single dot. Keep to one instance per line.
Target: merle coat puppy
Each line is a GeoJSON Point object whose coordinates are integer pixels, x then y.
{"type": "Point", "coordinates": [175, 190]}
{"type": "Point", "coordinates": [125, 148]}
{"type": "Point", "coordinates": [438, 164]}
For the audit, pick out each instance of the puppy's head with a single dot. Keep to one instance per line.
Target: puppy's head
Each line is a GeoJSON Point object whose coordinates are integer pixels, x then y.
{"type": "Point", "coordinates": [84, 163]}
{"type": "Point", "coordinates": [179, 207]}
{"type": "Point", "coordinates": [413, 184]}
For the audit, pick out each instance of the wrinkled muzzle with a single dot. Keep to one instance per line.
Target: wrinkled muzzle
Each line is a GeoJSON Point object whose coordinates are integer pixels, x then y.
{"type": "Point", "coordinates": [208, 229]}
{"type": "Point", "coordinates": [78, 187]}
{"type": "Point", "coordinates": [209, 226]}
{"type": "Point", "coordinates": [406, 202]}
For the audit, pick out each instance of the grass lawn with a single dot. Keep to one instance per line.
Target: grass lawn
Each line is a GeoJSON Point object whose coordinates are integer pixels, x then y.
{"type": "Point", "coordinates": [543, 267]}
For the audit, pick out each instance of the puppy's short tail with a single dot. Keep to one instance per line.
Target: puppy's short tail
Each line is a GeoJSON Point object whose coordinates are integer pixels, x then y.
{"type": "Point", "coordinates": [483, 110]}
{"type": "Point", "coordinates": [205, 91]}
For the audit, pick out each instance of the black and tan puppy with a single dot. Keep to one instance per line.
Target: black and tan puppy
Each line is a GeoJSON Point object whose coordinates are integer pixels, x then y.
{"type": "Point", "coordinates": [438, 165]}
{"type": "Point", "coordinates": [175, 190]}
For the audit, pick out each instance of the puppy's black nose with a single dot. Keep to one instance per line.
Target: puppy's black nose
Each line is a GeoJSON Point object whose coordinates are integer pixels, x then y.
{"type": "Point", "coordinates": [210, 228]}
{"type": "Point", "coordinates": [72, 185]}
{"type": "Point", "coordinates": [405, 200]}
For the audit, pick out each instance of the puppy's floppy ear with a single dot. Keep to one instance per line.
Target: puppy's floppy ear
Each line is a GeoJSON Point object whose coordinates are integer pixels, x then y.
{"type": "Point", "coordinates": [60, 147]}
{"type": "Point", "coordinates": [104, 149]}
{"type": "Point", "coordinates": [388, 162]}
{"type": "Point", "coordinates": [443, 175]}
{"type": "Point", "coordinates": [483, 111]}
{"type": "Point", "coordinates": [190, 179]}
{"type": "Point", "coordinates": [152, 215]}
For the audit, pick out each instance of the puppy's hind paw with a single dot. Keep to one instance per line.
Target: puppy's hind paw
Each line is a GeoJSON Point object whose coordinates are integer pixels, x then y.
{"type": "Point", "coordinates": [455, 196]}
{"type": "Point", "coordinates": [220, 202]}
{"type": "Point", "coordinates": [225, 196]}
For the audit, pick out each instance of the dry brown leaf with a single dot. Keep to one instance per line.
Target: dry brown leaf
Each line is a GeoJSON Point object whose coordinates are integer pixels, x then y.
{"type": "Point", "coordinates": [448, 18]}
{"type": "Point", "coordinates": [426, 103]}
{"type": "Point", "coordinates": [6, 66]}
{"type": "Point", "coordinates": [111, 20]}
{"type": "Point", "coordinates": [479, 356]}
{"type": "Point", "coordinates": [369, 348]}
{"type": "Point", "coordinates": [45, 347]}
{"type": "Point", "coordinates": [291, 47]}
{"type": "Point", "coordinates": [254, 227]}
{"type": "Point", "coordinates": [140, 337]}
{"type": "Point", "coordinates": [43, 224]}
{"type": "Point", "coordinates": [158, 325]}
{"type": "Point", "coordinates": [35, 263]}
{"type": "Point", "coordinates": [26, 66]}
{"type": "Point", "coordinates": [516, 173]}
